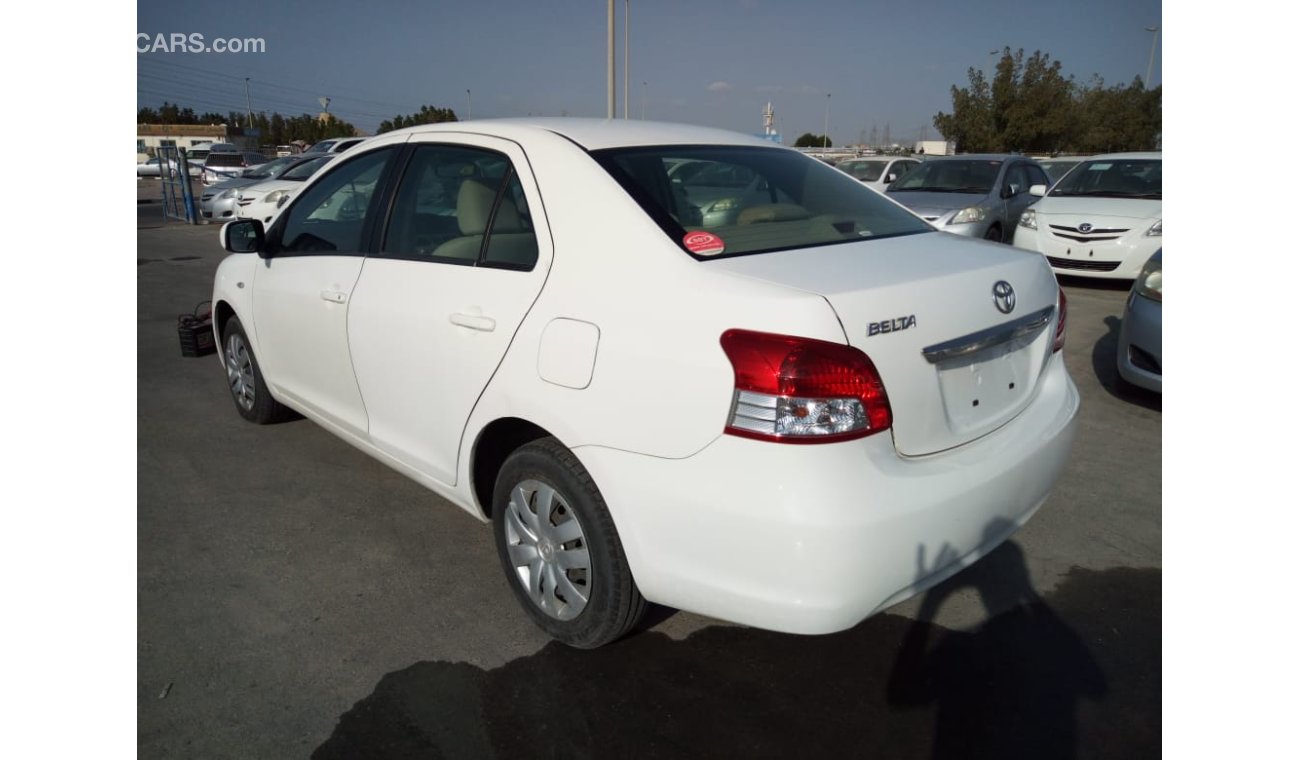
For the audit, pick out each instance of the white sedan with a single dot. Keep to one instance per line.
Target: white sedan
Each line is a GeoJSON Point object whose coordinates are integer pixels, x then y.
{"type": "Point", "coordinates": [877, 173]}
{"type": "Point", "coordinates": [791, 419]}
{"type": "Point", "coordinates": [1102, 219]}
{"type": "Point", "coordinates": [265, 199]}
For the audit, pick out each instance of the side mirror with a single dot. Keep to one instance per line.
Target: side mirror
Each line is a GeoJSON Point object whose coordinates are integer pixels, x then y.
{"type": "Point", "coordinates": [1038, 190]}
{"type": "Point", "coordinates": [243, 236]}
{"type": "Point", "coordinates": [890, 177]}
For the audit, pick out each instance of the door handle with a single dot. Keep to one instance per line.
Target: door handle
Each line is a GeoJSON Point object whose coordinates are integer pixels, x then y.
{"type": "Point", "coordinates": [334, 296]}
{"type": "Point", "coordinates": [474, 322]}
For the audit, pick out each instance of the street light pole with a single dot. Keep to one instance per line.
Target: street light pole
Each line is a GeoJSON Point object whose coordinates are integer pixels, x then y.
{"type": "Point", "coordinates": [1155, 35]}
{"type": "Point", "coordinates": [609, 110]}
{"type": "Point", "coordinates": [826, 133]}
{"type": "Point", "coordinates": [249, 101]}
{"type": "Point", "coordinates": [470, 115]}
{"type": "Point", "coordinates": [993, 67]}
{"type": "Point", "coordinates": [626, 45]}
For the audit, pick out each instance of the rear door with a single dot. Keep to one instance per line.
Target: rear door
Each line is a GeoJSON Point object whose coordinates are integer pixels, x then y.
{"type": "Point", "coordinates": [461, 261]}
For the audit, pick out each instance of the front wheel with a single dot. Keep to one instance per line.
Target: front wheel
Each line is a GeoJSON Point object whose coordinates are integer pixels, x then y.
{"type": "Point", "coordinates": [560, 551]}
{"type": "Point", "coordinates": [252, 399]}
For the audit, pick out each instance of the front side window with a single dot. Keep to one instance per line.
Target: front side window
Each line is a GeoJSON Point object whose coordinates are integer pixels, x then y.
{"type": "Point", "coordinates": [731, 200]}
{"type": "Point", "coordinates": [461, 205]}
{"type": "Point", "coordinates": [330, 216]}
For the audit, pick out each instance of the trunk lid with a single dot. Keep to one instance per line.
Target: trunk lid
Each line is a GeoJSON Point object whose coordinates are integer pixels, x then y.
{"type": "Point", "coordinates": [922, 307]}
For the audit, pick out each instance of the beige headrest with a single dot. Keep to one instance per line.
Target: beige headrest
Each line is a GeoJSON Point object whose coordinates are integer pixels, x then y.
{"type": "Point", "coordinates": [474, 204]}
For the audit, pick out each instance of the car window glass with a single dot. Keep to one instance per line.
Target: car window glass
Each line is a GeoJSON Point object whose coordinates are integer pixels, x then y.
{"type": "Point", "coordinates": [512, 244]}
{"type": "Point", "coordinates": [789, 200]}
{"type": "Point", "coordinates": [330, 214]}
{"type": "Point", "coordinates": [1037, 176]}
{"type": "Point", "coordinates": [445, 202]}
{"type": "Point", "coordinates": [976, 176]}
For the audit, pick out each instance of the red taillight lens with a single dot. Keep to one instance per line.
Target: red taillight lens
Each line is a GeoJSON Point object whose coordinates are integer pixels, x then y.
{"type": "Point", "coordinates": [800, 390]}
{"type": "Point", "coordinates": [1059, 343]}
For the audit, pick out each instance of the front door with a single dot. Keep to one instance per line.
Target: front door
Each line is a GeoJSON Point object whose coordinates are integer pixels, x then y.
{"type": "Point", "coordinates": [301, 292]}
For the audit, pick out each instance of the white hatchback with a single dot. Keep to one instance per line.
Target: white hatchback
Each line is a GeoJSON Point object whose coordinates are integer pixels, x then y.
{"type": "Point", "coordinates": [791, 417]}
{"type": "Point", "coordinates": [1102, 219]}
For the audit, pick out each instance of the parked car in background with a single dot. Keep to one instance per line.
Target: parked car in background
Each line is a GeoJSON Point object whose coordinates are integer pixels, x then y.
{"type": "Point", "coordinates": [976, 195]}
{"type": "Point", "coordinates": [286, 150]}
{"type": "Point", "coordinates": [222, 165]}
{"type": "Point", "coordinates": [219, 203]}
{"type": "Point", "coordinates": [1102, 219]}
{"type": "Point", "coordinates": [149, 168]}
{"type": "Point", "coordinates": [877, 173]}
{"type": "Point", "coordinates": [334, 145]}
{"type": "Point", "coordinates": [1138, 356]}
{"type": "Point", "coordinates": [840, 409]}
{"type": "Point", "coordinates": [264, 199]}
{"type": "Point", "coordinates": [1058, 167]}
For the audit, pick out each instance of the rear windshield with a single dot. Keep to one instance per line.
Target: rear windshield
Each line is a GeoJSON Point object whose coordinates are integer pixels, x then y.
{"type": "Point", "coordinates": [1113, 178]}
{"type": "Point", "coordinates": [718, 201]}
{"type": "Point", "coordinates": [949, 176]}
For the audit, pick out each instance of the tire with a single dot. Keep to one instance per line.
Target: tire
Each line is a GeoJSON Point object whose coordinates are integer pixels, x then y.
{"type": "Point", "coordinates": [552, 562]}
{"type": "Point", "coordinates": [248, 389]}
{"type": "Point", "coordinates": [994, 233]}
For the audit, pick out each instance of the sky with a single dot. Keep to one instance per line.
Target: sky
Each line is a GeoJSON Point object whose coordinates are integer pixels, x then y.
{"type": "Point", "coordinates": [710, 62]}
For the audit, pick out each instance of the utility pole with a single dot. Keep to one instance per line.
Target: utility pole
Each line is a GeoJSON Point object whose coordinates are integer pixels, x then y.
{"type": "Point", "coordinates": [1155, 30]}
{"type": "Point", "coordinates": [826, 133]}
{"type": "Point", "coordinates": [609, 111]}
{"type": "Point", "coordinates": [248, 100]}
{"type": "Point", "coordinates": [470, 114]}
{"type": "Point", "coordinates": [626, 45]}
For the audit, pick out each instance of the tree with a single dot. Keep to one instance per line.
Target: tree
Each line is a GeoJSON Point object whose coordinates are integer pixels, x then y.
{"type": "Point", "coordinates": [1031, 107]}
{"type": "Point", "coordinates": [809, 140]}
{"type": "Point", "coordinates": [426, 115]}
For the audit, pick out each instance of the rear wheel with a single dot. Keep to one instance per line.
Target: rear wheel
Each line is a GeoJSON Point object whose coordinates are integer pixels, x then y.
{"type": "Point", "coordinates": [247, 387]}
{"type": "Point", "coordinates": [559, 548]}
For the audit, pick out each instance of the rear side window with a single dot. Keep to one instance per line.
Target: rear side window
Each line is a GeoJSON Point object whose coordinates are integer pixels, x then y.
{"type": "Point", "coordinates": [715, 201]}
{"type": "Point", "coordinates": [461, 205]}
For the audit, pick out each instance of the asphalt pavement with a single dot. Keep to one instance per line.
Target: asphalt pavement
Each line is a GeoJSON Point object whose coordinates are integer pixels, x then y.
{"type": "Point", "coordinates": [297, 598]}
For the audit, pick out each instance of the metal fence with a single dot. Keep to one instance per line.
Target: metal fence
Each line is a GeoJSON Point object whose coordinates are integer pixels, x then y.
{"type": "Point", "coordinates": [175, 181]}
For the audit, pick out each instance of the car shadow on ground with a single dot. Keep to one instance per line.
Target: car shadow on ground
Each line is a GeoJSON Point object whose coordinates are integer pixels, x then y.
{"type": "Point", "coordinates": [1104, 358]}
{"type": "Point", "coordinates": [1074, 675]}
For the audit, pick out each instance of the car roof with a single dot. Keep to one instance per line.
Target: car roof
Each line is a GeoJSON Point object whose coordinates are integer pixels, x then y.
{"type": "Point", "coordinates": [597, 134]}
{"type": "Point", "coordinates": [1151, 154]}
{"type": "Point", "coordinates": [979, 157]}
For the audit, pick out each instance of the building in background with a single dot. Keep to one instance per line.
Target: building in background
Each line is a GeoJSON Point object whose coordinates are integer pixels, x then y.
{"type": "Point", "coordinates": [150, 137]}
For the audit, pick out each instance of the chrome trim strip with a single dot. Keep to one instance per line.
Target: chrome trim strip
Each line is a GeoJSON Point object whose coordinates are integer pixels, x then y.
{"type": "Point", "coordinates": [978, 341]}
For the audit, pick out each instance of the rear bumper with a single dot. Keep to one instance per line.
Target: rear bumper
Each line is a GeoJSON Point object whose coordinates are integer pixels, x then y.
{"type": "Point", "coordinates": [813, 539]}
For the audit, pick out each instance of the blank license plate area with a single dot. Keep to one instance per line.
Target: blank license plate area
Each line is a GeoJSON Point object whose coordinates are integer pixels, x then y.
{"type": "Point", "coordinates": [986, 388]}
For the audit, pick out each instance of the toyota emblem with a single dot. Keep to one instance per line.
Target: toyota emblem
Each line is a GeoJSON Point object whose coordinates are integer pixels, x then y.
{"type": "Point", "coordinates": [1085, 228]}
{"type": "Point", "coordinates": [1004, 296]}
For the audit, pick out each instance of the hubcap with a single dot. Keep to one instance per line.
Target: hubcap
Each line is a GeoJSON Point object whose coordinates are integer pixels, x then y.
{"type": "Point", "coordinates": [239, 371]}
{"type": "Point", "coordinates": [548, 549]}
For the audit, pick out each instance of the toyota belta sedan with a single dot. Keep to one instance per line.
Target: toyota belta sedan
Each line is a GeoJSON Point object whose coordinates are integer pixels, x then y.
{"type": "Point", "coordinates": [779, 418]}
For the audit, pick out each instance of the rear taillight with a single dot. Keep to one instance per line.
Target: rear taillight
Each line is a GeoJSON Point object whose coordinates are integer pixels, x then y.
{"type": "Point", "coordinates": [799, 390]}
{"type": "Point", "coordinates": [1059, 343]}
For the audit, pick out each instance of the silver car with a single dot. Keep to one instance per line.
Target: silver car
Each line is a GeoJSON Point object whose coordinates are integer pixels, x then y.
{"type": "Point", "coordinates": [218, 202]}
{"type": "Point", "coordinates": [976, 195]}
{"type": "Point", "coordinates": [1138, 356]}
